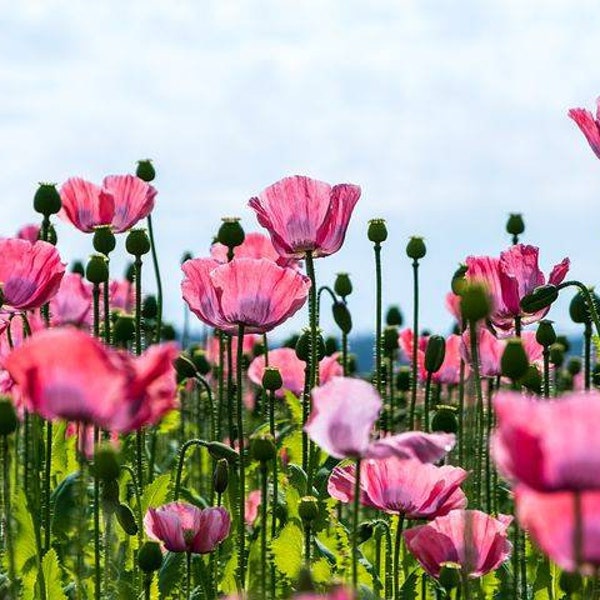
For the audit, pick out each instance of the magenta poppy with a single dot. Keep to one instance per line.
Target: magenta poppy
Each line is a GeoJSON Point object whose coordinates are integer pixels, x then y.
{"type": "Point", "coordinates": [590, 126]}
{"type": "Point", "coordinates": [30, 233]}
{"type": "Point", "coordinates": [183, 527]}
{"type": "Point", "coordinates": [305, 215]}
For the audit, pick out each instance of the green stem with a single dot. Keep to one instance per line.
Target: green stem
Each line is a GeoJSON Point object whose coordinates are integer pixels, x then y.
{"type": "Point", "coordinates": [345, 354]}
{"type": "Point", "coordinates": [377, 250]}
{"type": "Point", "coordinates": [188, 575]}
{"type": "Point", "coordinates": [181, 461]}
{"type": "Point", "coordinates": [97, 570]}
{"type": "Point", "coordinates": [139, 434]}
{"type": "Point", "coordinates": [479, 392]}
{"type": "Point", "coordinates": [220, 385]}
{"type": "Point", "coordinates": [355, 516]}
{"type": "Point", "coordinates": [427, 399]}
{"type": "Point", "coordinates": [546, 355]}
{"type": "Point", "coordinates": [587, 354]}
{"type": "Point", "coordinates": [397, 553]}
{"type": "Point", "coordinates": [106, 299]}
{"type": "Point", "coordinates": [591, 305]}
{"type": "Point", "coordinates": [242, 491]}
{"type": "Point", "coordinates": [578, 541]}
{"type": "Point", "coordinates": [415, 345]}
{"type": "Point", "coordinates": [159, 290]}
{"type": "Point", "coordinates": [47, 474]}
{"type": "Point", "coordinates": [7, 512]}
{"type": "Point", "coordinates": [138, 502]}
{"type": "Point", "coordinates": [263, 527]}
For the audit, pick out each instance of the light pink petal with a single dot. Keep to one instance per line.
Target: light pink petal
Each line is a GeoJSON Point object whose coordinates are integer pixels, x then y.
{"type": "Point", "coordinates": [427, 447]}
{"type": "Point", "coordinates": [133, 200]}
{"type": "Point", "coordinates": [85, 204]}
{"type": "Point", "coordinates": [559, 272]}
{"type": "Point", "coordinates": [213, 528]}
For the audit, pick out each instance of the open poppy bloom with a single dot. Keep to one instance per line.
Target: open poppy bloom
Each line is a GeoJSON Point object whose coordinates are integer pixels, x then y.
{"type": "Point", "coordinates": [471, 539]}
{"type": "Point", "coordinates": [72, 305]}
{"type": "Point", "coordinates": [306, 215]}
{"type": "Point", "coordinates": [590, 126]}
{"type": "Point", "coordinates": [183, 527]}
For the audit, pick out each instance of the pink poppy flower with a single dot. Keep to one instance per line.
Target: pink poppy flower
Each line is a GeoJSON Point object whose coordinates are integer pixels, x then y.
{"type": "Point", "coordinates": [452, 303]}
{"type": "Point", "coordinates": [549, 518]}
{"type": "Point", "coordinates": [183, 527]}
{"type": "Point", "coordinates": [343, 414]}
{"type": "Point", "coordinates": [255, 293]}
{"type": "Point", "coordinates": [305, 215]}
{"type": "Point", "coordinates": [121, 293]}
{"type": "Point", "coordinates": [65, 373]}
{"type": "Point", "coordinates": [509, 279]}
{"type": "Point", "coordinates": [30, 274]}
{"type": "Point", "coordinates": [469, 538]}
{"type": "Point", "coordinates": [72, 305]}
{"type": "Point", "coordinates": [29, 233]}
{"type": "Point", "coordinates": [548, 445]}
{"type": "Point", "coordinates": [255, 245]}
{"type": "Point", "coordinates": [121, 202]}
{"type": "Point", "coordinates": [252, 505]}
{"type": "Point", "coordinates": [402, 487]}
{"type": "Point", "coordinates": [589, 126]}
{"type": "Point", "coordinates": [292, 369]}
{"type": "Point", "coordinates": [85, 440]}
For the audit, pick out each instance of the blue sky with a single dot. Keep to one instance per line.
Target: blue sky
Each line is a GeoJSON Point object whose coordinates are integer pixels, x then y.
{"type": "Point", "coordinates": [449, 115]}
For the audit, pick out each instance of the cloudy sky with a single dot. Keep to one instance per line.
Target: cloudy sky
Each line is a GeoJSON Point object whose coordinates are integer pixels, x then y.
{"type": "Point", "coordinates": [449, 115]}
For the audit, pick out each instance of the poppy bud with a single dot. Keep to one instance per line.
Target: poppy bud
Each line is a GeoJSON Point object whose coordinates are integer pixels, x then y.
{"type": "Point", "coordinates": [123, 329]}
{"type": "Point", "coordinates": [545, 334]}
{"type": "Point", "coordinates": [219, 450]}
{"type": "Point", "coordinates": [221, 476]}
{"type": "Point", "coordinates": [96, 270]}
{"type": "Point", "coordinates": [514, 362]}
{"type": "Point", "coordinates": [474, 303]}
{"type": "Point", "coordinates": [557, 354]}
{"type": "Point", "coordinates": [145, 170]}
{"type": "Point", "coordinates": [415, 248]}
{"type": "Point", "coordinates": [271, 379]}
{"type": "Point", "coordinates": [150, 307]}
{"type": "Point", "coordinates": [106, 463]}
{"type": "Point", "coordinates": [365, 532]}
{"type": "Point", "coordinates": [377, 231]}
{"type": "Point", "coordinates": [46, 199]}
{"type": "Point", "coordinates": [77, 267]}
{"type": "Point", "coordinates": [435, 352]}
{"type": "Point", "coordinates": [104, 240]}
{"type": "Point", "coordinates": [303, 347]}
{"type": "Point", "coordinates": [403, 379]}
{"type": "Point", "coordinates": [262, 448]}
{"type": "Point", "coordinates": [201, 362]}
{"type": "Point", "coordinates": [342, 317]}
{"type": "Point", "coordinates": [184, 367]}
{"type": "Point", "coordinates": [570, 583]}
{"type": "Point", "coordinates": [541, 297]}
{"type": "Point", "coordinates": [342, 285]}
{"type": "Point", "coordinates": [150, 557]}
{"type": "Point", "coordinates": [137, 242]}
{"type": "Point", "coordinates": [231, 233]}
{"type": "Point", "coordinates": [574, 366]}
{"type": "Point", "coordinates": [449, 576]}
{"type": "Point", "coordinates": [459, 280]}
{"type": "Point", "coordinates": [308, 508]}
{"type": "Point", "coordinates": [563, 340]}
{"type": "Point", "coordinates": [532, 380]}
{"type": "Point", "coordinates": [8, 417]}
{"type": "Point", "coordinates": [389, 340]}
{"type": "Point", "coordinates": [515, 224]}
{"type": "Point", "coordinates": [394, 316]}
{"type": "Point", "coordinates": [126, 519]}
{"type": "Point", "coordinates": [331, 345]}
{"type": "Point", "coordinates": [445, 420]}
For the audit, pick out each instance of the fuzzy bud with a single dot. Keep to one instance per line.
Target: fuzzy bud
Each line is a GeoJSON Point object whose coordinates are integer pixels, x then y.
{"type": "Point", "coordinates": [221, 476]}
{"type": "Point", "coordinates": [342, 285]}
{"type": "Point", "coordinates": [541, 297]}
{"type": "Point", "coordinates": [342, 317]}
{"type": "Point", "coordinates": [126, 519]}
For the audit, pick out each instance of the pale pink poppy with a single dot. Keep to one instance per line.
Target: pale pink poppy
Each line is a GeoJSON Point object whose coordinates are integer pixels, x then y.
{"type": "Point", "coordinates": [255, 293]}
{"type": "Point", "coordinates": [133, 200]}
{"type": "Point", "coordinates": [252, 505]}
{"type": "Point", "coordinates": [469, 538]}
{"type": "Point", "coordinates": [30, 274]}
{"type": "Point", "coordinates": [292, 369]}
{"type": "Point", "coordinates": [402, 487]}
{"type": "Point", "coordinates": [183, 527]}
{"type": "Point", "coordinates": [29, 232]}
{"type": "Point", "coordinates": [72, 305]}
{"type": "Point", "coordinates": [255, 245]}
{"type": "Point", "coordinates": [590, 126]}
{"type": "Point", "coordinates": [305, 215]}
{"type": "Point", "coordinates": [548, 445]}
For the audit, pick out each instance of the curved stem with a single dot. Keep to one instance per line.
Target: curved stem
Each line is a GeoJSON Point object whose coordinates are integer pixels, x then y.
{"type": "Point", "coordinates": [159, 290]}
{"type": "Point", "coordinates": [415, 346]}
{"type": "Point", "coordinates": [181, 460]}
{"type": "Point", "coordinates": [326, 288]}
{"type": "Point", "coordinates": [240, 432]}
{"type": "Point", "coordinates": [138, 502]}
{"type": "Point", "coordinates": [591, 305]}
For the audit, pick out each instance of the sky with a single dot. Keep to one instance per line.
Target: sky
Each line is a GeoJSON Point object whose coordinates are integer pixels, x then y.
{"type": "Point", "coordinates": [448, 115]}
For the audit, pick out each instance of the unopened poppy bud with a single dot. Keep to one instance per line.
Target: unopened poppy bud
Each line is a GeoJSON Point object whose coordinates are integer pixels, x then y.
{"type": "Point", "coordinates": [145, 170]}
{"type": "Point", "coordinates": [308, 508]}
{"type": "Point", "coordinates": [449, 576]}
{"type": "Point", "coordinates": [106, 463]}
{"type": "Point", "coordinates": [8, 417]}
{"type": "Point", "coordinates": [126, 519]}
{"type": "Point", "coordinates": [515, 224]}
{"type": "Point", "coordinates": [563, 340]}
{"type": "Point", "coordinates": [435, 352]}
{"type": "Point", "coordinates": [403, 379]}
{"type": "Point", "coordinates": [168, 333]}
{"type": "Point", "coordinates": [96, 271]}
{"type": "Point", "coordinates": [365, 532]}
{"type": "Point", "coordinates": [130, 272]}
{"type": "Point", "coordinates": [570, 583]}
{"type": "Point", "coordinates": [394, 316]}
{"type": "Point", "coordinates": [77, 267]}
{"type": "Point", "coordinates": [184, 367]}
{"type": "Point", "coordinates": [445, 420]}
{"type": "Point", "coordinates": [201, 362]}
{"type": "Point", "coordinates": [104, 240]}
{"type": "Point", "coordinates": [474, 303]}
{"type": "Point", "coordinates": [271, 379]}
{"type": "Point", "coordinates": [377, 231]}
{"type": "Point", "coordinates": [219, 450]}
{"type": "Point", "coordinates": [123, 329]}
{"type": "Point", "coordinates": [150, 307]}
{"type": "Point", "coordinates": [541, 297]}
{"type": "Point", "coordinates": [262, 448]}
{"type": "Point", "coordinates": [291, 341]}
{"type": "Point", "coordinates": [545, 334]}
{"type": "Point", "coordinates": [110, 496]}
{"type": "Point", "coordinates": [574, 366]}
{"type": "Point", "coordinates": [557, 354]}
{"type": "Point", "coordinates": [303, 347]}
{"type": "Point", "coordinates": [342, 285]}
{"type": "Point", "coordinates": [459, 280]}
{"type": "Point", "coordinates": [46, 199]}
{"type": "Point", "coordinates": [51, 236]}
{"type": "Point", "coordinates": [331, 345]}
{"type": "Point", "coordinates": [342, 317]}
{"type": "Point", "coordinates": [137, 242]}
{"type": "Point", "coordinates": [231, 233]}
{"type": "Point", "coordinates": [150, 557]}
{"type": "Point", "coordinates": [514, 362]}
{"type": "Point", "coordinates": [532, 380]}
{"type": "Point", "coordinates": [415, 248]}
{"type": "Point", "coordinates": [389, 339]}
{"type": "Point", "coordinates": [221, 476]}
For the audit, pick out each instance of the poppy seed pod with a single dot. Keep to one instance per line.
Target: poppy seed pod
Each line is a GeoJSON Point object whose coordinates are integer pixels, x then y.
{"type": "Point", "coordinates": [46, 199]}
{"type": "Point", "coordinates": [445, 420]}
{"type": "Point", "coordinates": [435, 352]}
{"type": "Point", "coordinates": [515, 224]}
{"type": "Point", "coordinates": [394, 316]}
{"type": "Point", "coordinates": [474, 303]}
{"type": "Point", "coordinates": [271, 379]}
{"type": "Point", "coordinates": [342, 285]}
{"type": "Point", "coordinates": [541, 297]}
{"type": "Point", "coordinates": [104, 240]}
{"type": "Point", "coordinates": [221, 476]}
{"type": "Point", "coordinates": [8, 417]}
{"type": "Point", "coordinates": [150, 557]}
{"type": "Point", "coordinates": [106, 463]}
{"type": "Point", "coordinates": [449, 577]}
{"type": "Point", "coordinates": [514, 362]}
{"type": "Point", "coordinates": [262, 448]}
{"type": "Point", "coordinates": [231, 233]}
{"type": "Point", "coordinates": [308, 508]}
{"type": "Point", "coordinates": [123, 329]}
{"type": "Point", "coordinates": [459, 280]}
{"type": "Point", "coordinates": [545, 334]}
{"type": "Point", "coordinates": [96, 271]}
{"type": "Point", "coordinates": [145, 170]}
{"type": "Point", "coordinates": [342, 317]}
{"type": "Point", "coordinates": [137, 242]}
{"type": "Point", "coordinates": [184, 366]}
{"type": "Point", "coordinates": [416, 248]}
{"type": "Point", "coordinates": [377, 231]}
{"type": "Point", "coordinates": [389, 339]}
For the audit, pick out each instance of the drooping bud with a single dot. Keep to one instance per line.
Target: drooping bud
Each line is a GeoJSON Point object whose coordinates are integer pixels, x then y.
{"type": "Point", "coordinates": [96, 271]}
{"type": "Point", "coordinates": [435, 352]}
{"type": "Point", "coordinates": [377, 231]}
{"type": "Point", "coordinates": [219, 450]}
{"type": "Point", "coordinates": [145, 170]}
{"type": "Point", "coordinates": [200, 361]}
{"type": "Point", "coordinates": [46, 200]}
{"type": "Point", "coordinates": [365, 532]}
{"type": "Point", "coordinates": [394, 316]}
{"type": "Point", "coordinates": [416, 248]}
{"type": "Point", "coordinates": [514, 362]}
{"type": "Point", "coordinates": [137, 242]}
{"type": "Point", "coordinates": [342, 285]}
{"type": "Point", "coordinates": [221, 476]}
{"type": "Point", "coordinates": [271, 379]}
{"type": "Point", "coordinates": [474, 302]}
{"type": "Point", "coordinates": [342, 317]}
{"type": "Point", "coordinates": [545, 334]}
{"type": "Point", "coordinates": [104, 239]}
{"type": "Point", "coordinates": [126, 519]}
{"type": "Point", "coordinates": [541, 297]}
{"type": "Point", "coordinates": [184, 367]}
